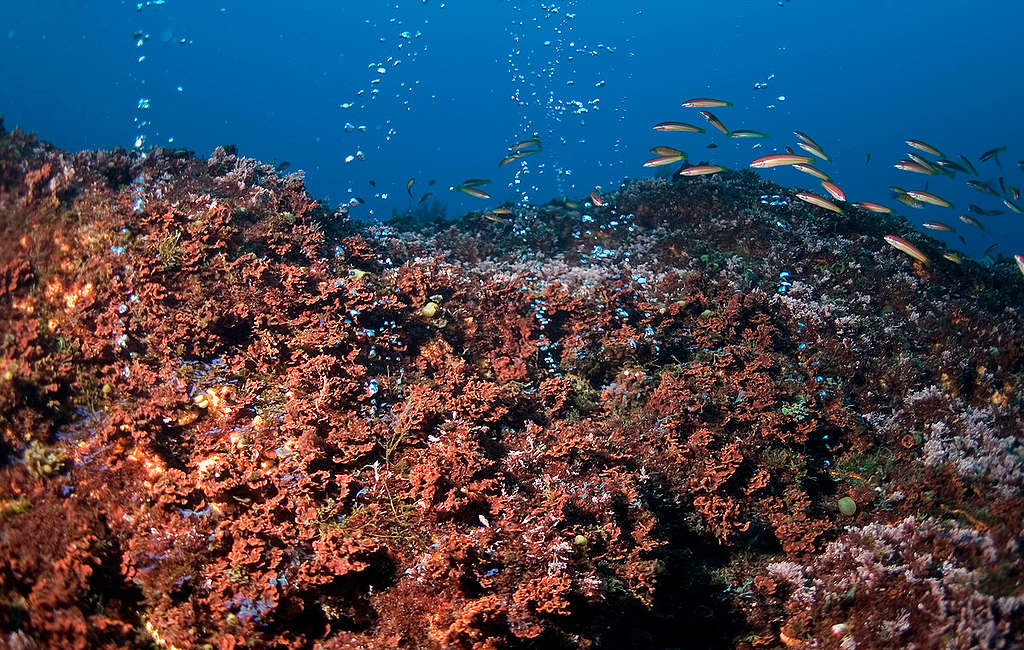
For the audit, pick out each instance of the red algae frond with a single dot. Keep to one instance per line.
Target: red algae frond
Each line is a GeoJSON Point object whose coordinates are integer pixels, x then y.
{"type": "Point", "coordinates": [234, 416]}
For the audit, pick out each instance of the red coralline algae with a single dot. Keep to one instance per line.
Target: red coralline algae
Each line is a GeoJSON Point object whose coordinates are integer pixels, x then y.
{"type": "Point", "coordinates": [233, 417]}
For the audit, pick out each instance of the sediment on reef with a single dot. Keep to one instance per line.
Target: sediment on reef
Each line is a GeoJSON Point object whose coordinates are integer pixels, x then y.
{"type": "Point", "coordinates": [232, 416]}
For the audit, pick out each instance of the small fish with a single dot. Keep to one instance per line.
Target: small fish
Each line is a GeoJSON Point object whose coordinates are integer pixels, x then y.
{"type": "Point", "coordinates": [596, 199]}
{"type": "Point", "coordinates": [924, 163]}
{"type": "Point", "coordinates": [928, 197]}
{"type": "Point", "coordinates": [985, 213]}
{"type": "Point", "coordinates": [744, 133]}
{"type": "Point", "coordinates": [701, 170]}
{"type": "Point", "coordinates": [991, 249]}
{"type": "Point", "coordinates": [704, 102]}
{"type": "Point", "coordinates": [711, 145]}
{"type": "Point", "coordinates": [502, 211]}
{"type": "Point", "coordinates": [525, 144]}
{"type": "Point", "coordinates": [974, 172]}
{"type": "Point", "coordinates": [678, 127]}
{"type": "Point", "coordinates": [813, 171]}
{"type": "Point", "coordinates": [473, 191]}
{"type": "Point", "coordinates": [806, 139]}
{"type": "Point", "coordinates": [949, 164]}
{"type": "Point", "coordinates": [662, 160]}
{"type": "Point", "coordinates": [982, 186]}
{"type": "Point", "coordinates": [780, 159]}
{"type": "Point", "coordinates": [873, 207]}
{"type": "Point", "coordinates": [517, 155]}
{"type": "Point", "coordinates": [911, 166]}
{"type": "Point", "coordinates": [903, 245]}
{"type": "Point", "coordinates": [815, 150]}
{"type": "Point", "coordinates": [715, 122]}
{"type": "Point", "coordinates": [868, 159]}
{"type": "Point", "coordinates": [836, 193]}
{"type": "Point", "coordinates": [1002, 185]}
{"type": "Point", "coordinates": [373, 183]}
{"type": "Point", "coordinates": [954, 257]}
{"type": "Point", "coordinates": [1013, 206]}
{"type": "Point", "coordinates": [907, 200]}
{"type": "Point", "coordinates": [814, 199]}
{"type": "Point", "coordinates": [1020, 164]}
{"type": "Point", "coordinates": [971, 221]}
{"type": "Point", "coordinates": [992, 154]}
{"type": "Point", "coordinates": [667, 151]}
{"type": "Point", "coordinates": [937, 225]}
{"type": "Point", "coordinates": [409, 184]}
{"type": "Point", "coordinates": [475, 182]}
{"type": "Point", "coordinates": [572, 205]}
{"type": "Point", "coordinates": [1015, 192]}
{"type": "Point", "coordinates": [1020, 262]}
{"type": "Point", "coordinates": [431, 182]}
{"type": "Point", "coordinates": [490, 216]}
{"type": "Point", "coordinates": [282, 166]}
{"type": "Point", "coordinates": [925, 147]}
{"type": "Point", "coordinates": [426, 196]}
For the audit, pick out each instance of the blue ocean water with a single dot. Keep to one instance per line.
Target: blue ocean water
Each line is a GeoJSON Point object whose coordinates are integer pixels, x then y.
{"type": "Point", "coordinates": [387, 91]}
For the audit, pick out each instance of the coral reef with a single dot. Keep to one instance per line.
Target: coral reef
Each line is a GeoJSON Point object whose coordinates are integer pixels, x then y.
{"type": "Point", "coordinates": [234, 417]}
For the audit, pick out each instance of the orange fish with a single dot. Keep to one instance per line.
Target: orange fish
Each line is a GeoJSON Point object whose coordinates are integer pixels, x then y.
{"type": "Point", "coordinates": [836, 193]}
{"type": "Point", "coordinates": [596, 199]}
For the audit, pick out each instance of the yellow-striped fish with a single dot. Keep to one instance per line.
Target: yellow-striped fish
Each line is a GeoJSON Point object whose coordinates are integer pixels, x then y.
{"type": "Point", "coordinates": [704, 102]}
{"type": "Point", "coordinates": [954, 257]}
{"type": "Point", "coordinates": [779, 159]}
{"type": "Point", "coordinates": [662, 160]}
{"type": "Point", "coordinates": [925, 147]}
{"type": "Point", "coordinates": [971, 221]}
{"type": "Point", "coordinates": [911, 166]}
{"type": "Point", "coordinates": [701, 170]}
{"type": "Point", "coordinates": [813, 171]}
{"type": "Point", "coordinates": [678, 127]}
{"type": "Point", "coordinates": [814, 150]}
{"type": "Point", "coordinates": [836, 193]}
{"type": "Point", "coordinates": [814, 199]}
{"type": "Point", "coordinates": [715, 122]}
{"type": "Point", "coordinates": [667, 151]}
{"type": "Point", "coordinates": [873, 207]}
{"type": "Point", "coordinates": [475, 192]}
{"type": "Point", "coordinates": [928, 197]}
{"type": "Point", "coordinates": [746, 133]}
{"type": "Point", "coordinates": [903, 245]}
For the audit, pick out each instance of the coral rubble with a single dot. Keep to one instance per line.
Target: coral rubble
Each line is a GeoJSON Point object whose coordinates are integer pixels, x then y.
{"type": "Point", "coordinates": [232, 417]}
